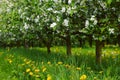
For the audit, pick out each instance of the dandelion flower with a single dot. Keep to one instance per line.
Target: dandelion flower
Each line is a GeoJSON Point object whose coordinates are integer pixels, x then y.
{"type": "Point", "coordinates": [10, 61]}
{"type": "Point", "coordinates": [30, 73]}
{"type": "Point", "coordinates": [101, 72]}
{"type": "Point", "coordinates": [49, 62]}
{"type": "Point", "coordinates": [37, 70]}
{"type": "Point", "coordinates": [28, 62]}
{"type": "Point", "coordinates": [60, 62]}
{"type": "Point", "coordinates": [83, 77]}
{"type": "Point", "coordinates": [27, 70]}
{"type": "Point", "coordinates": [78, 68]}
{"type": "Point", "coordinates": [44, 69]}
{"type": "Point", "coordinates": [95, 78]}
{"type": "Point", "coordinates": [37, 76]}
{"type": "Point", "coordinates": [49, 77]}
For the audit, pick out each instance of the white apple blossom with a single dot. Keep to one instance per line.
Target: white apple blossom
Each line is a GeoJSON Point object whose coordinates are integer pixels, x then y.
{"type": "Point", "coordinates": [69, 10]}
{"type": "Point", "coordinates": [53, 25]}
{"type": "Point", "coordinates": [27, 18]}
{"type": "Point", "coordinates": [74, 7]}
{"type": "Point", "coordinates": [55, 1]}
{"type": "Point", "coordinates": [63, 9]}
{"type": "Point", "coordinates": [86, 23]}
{"type": "Point", "coordinates": [95, 22]}
{"type": "Point", "coordinates": [69, 1]}
{"type": "Point", "coordinates": [58, 18]}
{"type": "Point", "coordinates": [56, 12]}
{"type": "Point", "coordinates": [36, 20]}
{"type": "Point", "coordinates": [92, 18]}
{"type": "Point", "coordinates": [50, 9]}
{"type": "Point", "coordinates": [26, 26]}
{"type": "Point", "coordinates": [111, 30]}
{"type": "Point", "coordinates": [66, 22]}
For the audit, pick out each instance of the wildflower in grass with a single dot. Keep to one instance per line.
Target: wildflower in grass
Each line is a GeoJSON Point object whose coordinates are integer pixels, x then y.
{"type": "Point", "coordinates": [101, 72]}
{"type": "Point", "coordinates": [28, 70]}
{"type": "Point", "coordinates": [60, 63]}
{"type": "Point", "coordinates": [95, 78]}
{"type": "Point", "coordinates": [44, 69]}
{"type": "Point", "coordinates": [23, 64]}
{"type": "Point", "coordinates": [42, 62]}
{"type": "Point", "coordinates": [25, 60]}
{"type": "Point", "coordinates": [37, 70]}
{"type": "Point", "coordinates": [10, 61]}
{"type": "Point", "coordinates": [78, 68]}
{"type": "Point", "coordinates": [49, 62]}
{"type": "Point", "coordinates": [28, 62]}
{"type": "Point", "coordinates": [83, 77]}
{"type": "Point", "coordinates": [67, 66]}
{"type": "Point", "coordinates": [91, 71]}
{"type": "Point", "coordinates": [37, 76]}
{"type": "Point", "coordinates": [49, 77]}
{"type": "Point", "coordinates": [30, 73]}
{"type": "Point", "coordinates": [89, 68]}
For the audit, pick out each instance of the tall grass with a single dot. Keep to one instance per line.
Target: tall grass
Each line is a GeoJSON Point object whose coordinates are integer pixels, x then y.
{"type": "Point", "coordinates": [36, 64]}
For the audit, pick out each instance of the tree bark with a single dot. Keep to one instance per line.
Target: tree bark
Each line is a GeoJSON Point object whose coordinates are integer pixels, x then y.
{"type": "Point", "coordinates": [48, 48]}
{"type": "Point", "coordinates": [26, 44]}
{"type": "Point", "coordinates": [118, 40]}
{"type": "Point", "coordinates": [99, 45]}
{"type": "Point", "coordinates": [80, 42]}
{"type": "Point", "coordinates": [90, 40]}
{"type": "Point", "coordinates": [68, 45]}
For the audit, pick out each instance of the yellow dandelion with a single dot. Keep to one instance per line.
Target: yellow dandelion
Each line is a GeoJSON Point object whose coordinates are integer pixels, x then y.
{"type": "Point", "coordinates": [78, 68]}
{"type": "Point", "coordinates": [83, 77]}
{"type": "Point", "coordinates": [25, 60]}
{"type": "Point", "coordinates": [101, 72]}
{"type": "Point", "coordinates": [37, 76]}
{"type": "Point", "coordinates": [44, 69]}
{"type": "Point", "coordinates": [23, 64]}
{"type": "Point", "coordinates": [37, 70]}
{"type": "Point", "coordinates": [49, 77]}
{"type": "Point", "coordinates": [28, 62]}
{"type": "Point", "coordinates": [30, 73]}
{"type": "Point", "coordinates": [49, 62]}
{"type": "Point", "coordinates": [27, 70]}
{"type": "Point", "coordinates": [42, 62]}
{"type": "Point", "coordinates": [67, 66]}
{"type": "Point", "coordinates": [95, 78]}
{"type": "Point", "coordinates": [10, 61]}
{"type": "Point", "coordinates": [60, 62]}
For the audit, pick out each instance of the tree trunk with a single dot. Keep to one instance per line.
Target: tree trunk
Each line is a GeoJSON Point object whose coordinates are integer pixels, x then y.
{"type": "Point", "coordinates": [25, 44]}
{"type": "Point", "coordinates": [68, 45]}
{"type": "Point", "coordinates": [99, 45]}
{"type": "Point", "coordinates": [90, 40]}
{"type": "Point", "coordinates": [18, 43]}
{"type": "Point", "coordinates": [48, 48]}
{"type": "Point", "coordinates": [80, 42]}
{"type": "Point", "coordinates": [118, 40]}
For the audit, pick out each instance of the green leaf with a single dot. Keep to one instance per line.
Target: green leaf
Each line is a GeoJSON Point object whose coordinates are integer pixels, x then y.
{"type": "Point", "coordinates": [109, 2]}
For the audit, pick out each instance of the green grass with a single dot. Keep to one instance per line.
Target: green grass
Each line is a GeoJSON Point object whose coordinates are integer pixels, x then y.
{"type": "Point", "coordinates": [36, 64]}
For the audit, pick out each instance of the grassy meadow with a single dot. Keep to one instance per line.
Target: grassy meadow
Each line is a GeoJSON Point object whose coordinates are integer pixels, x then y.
{"type": "Point", "coordinates": [36, 64]}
